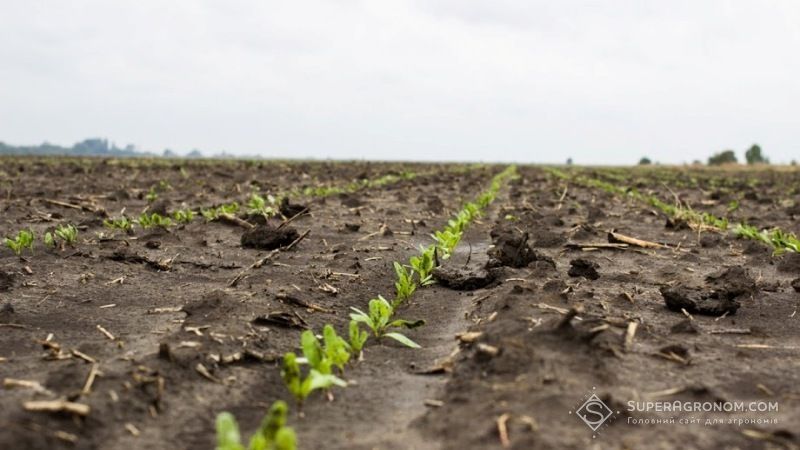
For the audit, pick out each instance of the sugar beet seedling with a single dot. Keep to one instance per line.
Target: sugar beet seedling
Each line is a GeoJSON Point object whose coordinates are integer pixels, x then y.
{"type": "Point", "coordinates": [23, 240]}
{"type": "Point", "coordinates": [272, 435]}
{"type": "Point", "coordinates": [379, 320]}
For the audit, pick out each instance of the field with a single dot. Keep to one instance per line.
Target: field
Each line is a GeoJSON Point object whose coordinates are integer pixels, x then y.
{"type": "Point", "coordinates": [158, 294]}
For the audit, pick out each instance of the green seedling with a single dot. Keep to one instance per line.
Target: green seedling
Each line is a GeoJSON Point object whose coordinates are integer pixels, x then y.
{"type": "Point", "coordinates": [272, 435]}
{"type": "Point", "coordinates": [424, 264]}
{"type": "Point", "coordinates": [314, 353]}
{"type": "Point", "coordinates": [301, 387]}
{"type": "Point", "coordinates": [379, 320]}
{"type": "Point", "coordinates": [404, 286]}
{"type": "Point", "coordinates": [23, 240]}
{"type": "Point", "coordinates": [733, 205]}
{"type": "Point", "coordinates": [336, 349]}
{"type": "Point", "coordinates": [154, 220]}
{"type": "Point", "coordinates": [67, 233]}
{"type": "Point", "coordinates": [260, 205]}
{"type": "Point", "coordinates": [123, 223]}
{"type": "Point", "coordinates": [446, 241]}
{"type": "Point", "coordinates": [49, 241]}
{"type": "Point", "coordinates": [183, 215]}
{"type": "Point", "coordinates": [212, 214]}
{"type": "Point", "coordinates": [152, 195]}
{"type": "Point", "coordinates": [357, 337]}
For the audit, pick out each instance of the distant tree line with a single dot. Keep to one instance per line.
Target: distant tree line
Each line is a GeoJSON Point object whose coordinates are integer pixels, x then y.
{"type": "Point", "coordinates": [754, 155]}
{"type": "Point", "coordinates": [88, 147]}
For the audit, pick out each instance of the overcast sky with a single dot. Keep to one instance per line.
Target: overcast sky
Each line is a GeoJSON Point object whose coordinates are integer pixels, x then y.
{"type": "Point", "coordinates": [533, 81]}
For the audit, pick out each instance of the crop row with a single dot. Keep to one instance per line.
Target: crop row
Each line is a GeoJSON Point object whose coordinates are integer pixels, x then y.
{"type": "Point", "coordinates": [777, 238]}
{"type": "Point", "coordinates": [256, 205]}
{"type": "Point", "coordinates": [330, 351]}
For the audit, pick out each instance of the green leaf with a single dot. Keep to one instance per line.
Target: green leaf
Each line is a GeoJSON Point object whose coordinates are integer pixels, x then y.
{"type": "Point", "coordinates": [317, 380]}
{"type": "Point", "coordinates": [312, 350]}
{"type": "Point", "coordinates": [336, 349]}
{"type": "Point", "coordinates": [357, 337]}
{"type": "Point", "coordinates": [403, 340]}
{"type": "Point", "coordinates": [401, 323]}
{"type": "Point", "coordinates": [285, 439]}
{"type": "Point", "coordinates": [228, 437]}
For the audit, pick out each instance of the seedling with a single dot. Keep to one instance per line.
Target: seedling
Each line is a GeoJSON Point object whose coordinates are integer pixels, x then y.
{"type": "Point", "coordinates": [67, 233]}
{"type": "Point", "coordinates": [272, 435]}
{"type": "Point", "coordinates": [357, 337]}
{"type": "Point", "coordinates": [48, 240]}
{"type": "Point", "coordinates": [214, 213]}
{"type": "Point", "coordinates": [123, 223]}
{"type": "Point", "coordinates": [152, 195]}
{"type": "Point", "coordinates": [337, 350]}
{"type": "Point", "coordinates": [379, 320]}
{"type": "Point", "coordinates": [314, 354]}
{"type": "Point", "coordinates": [260, 205]}
{"type": "Point", "coordinates": [446, 241]}
{"type": "Point", "coordinates": [424, 264]}
{"type": "Point", "coordinates": [404, 286]}
{"type": "Point", "coordinates": [301, 387]}
{"type": "Point", "coordinates": [23, 240]}
{"type": "Point", "coordinates": [154, 220]}
{"type": "Point", "coordinates": [183, 215]}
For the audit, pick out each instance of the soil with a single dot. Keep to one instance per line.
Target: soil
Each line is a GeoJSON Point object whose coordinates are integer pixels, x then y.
{"type": "Point", "coordinates": [183, 324]}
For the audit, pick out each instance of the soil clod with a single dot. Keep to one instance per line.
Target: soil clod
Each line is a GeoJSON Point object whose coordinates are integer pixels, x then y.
{"type": "Point", "coordinates": [289, 209]}
{"type": "Point", "coordinates": [790, 263]}
{"type": "Point", "coordinates": [268, 237]}
{"type": "Point", "coordinates": [696, 301]}
{"type": "Point", "coordinates": [281, 319]}
{"type": "Point", "coordinates": [463, 279]}
{"type": "Point", "coordinates": [511, 249]}
{"type": "Point", "coordinates": [6, 281]}
{"type": "Point", "coordinates": [581, 267]}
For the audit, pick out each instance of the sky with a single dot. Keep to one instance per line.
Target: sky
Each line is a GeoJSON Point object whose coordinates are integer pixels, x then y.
{"type": "Point", "coordinates": [602, 82]}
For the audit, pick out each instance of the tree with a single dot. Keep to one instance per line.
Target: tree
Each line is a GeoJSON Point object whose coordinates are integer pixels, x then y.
{"type": "Point", "coordinates": [724, 157]}
{"type": "Point", "coordinates": [569, 161]}
{"type": "Point", "coordinates": [754, 155]}
{"type": "Point", "coordinates": [645, 161]}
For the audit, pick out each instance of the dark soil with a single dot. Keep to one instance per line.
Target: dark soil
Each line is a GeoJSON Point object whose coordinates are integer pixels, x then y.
{"type": "Point", "coordinates": [269, 237]}
{"type": "Point", "coordinates": [199, 328]}
{"type": "Point", "coordinates": [582, 267]}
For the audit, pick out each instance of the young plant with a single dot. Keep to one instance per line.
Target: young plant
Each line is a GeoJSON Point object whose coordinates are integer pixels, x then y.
{"type": "Point", "coordinates": [67, 233]}
{"type": "Point", "coordinates": [446, 241]}
{"type": "Point", "coordinates": [23, 240]}
{"type": "Point", "coordinates": [154, 220]}
{"type": "Point", "coordinates": [123, 223]}
{"type": "Point", "coordinates": [272, 435]}
{"type": "Point", "coordinates": [260, 205]}
{"type": "Point", "coordinates": [404, 286]}
{"type": "Point", "coordinates": [301, 387]}
{"type": "Point", "coordinates": [379, 320]}
{"type": "Point", "coordinates": [357, 337]}
{"type": "Point", "coordinates": [314, 353]}
{"type": "Point", "coordinates": [424, 264]}
{"type": "Point", "coordinates": [152, 195]}
{"type": "Point", "coordinates": [49, 241]}
{"type": "Point", "coordinates": [336, 349]}
{"type": "Point", "coordinates": [183, 215]}
{"type": "Point", "coordinates": [212, 214]}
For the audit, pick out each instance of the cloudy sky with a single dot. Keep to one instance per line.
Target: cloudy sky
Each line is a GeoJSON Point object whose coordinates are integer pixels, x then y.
{"type": "Point", "coordinates": [533, 81]}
